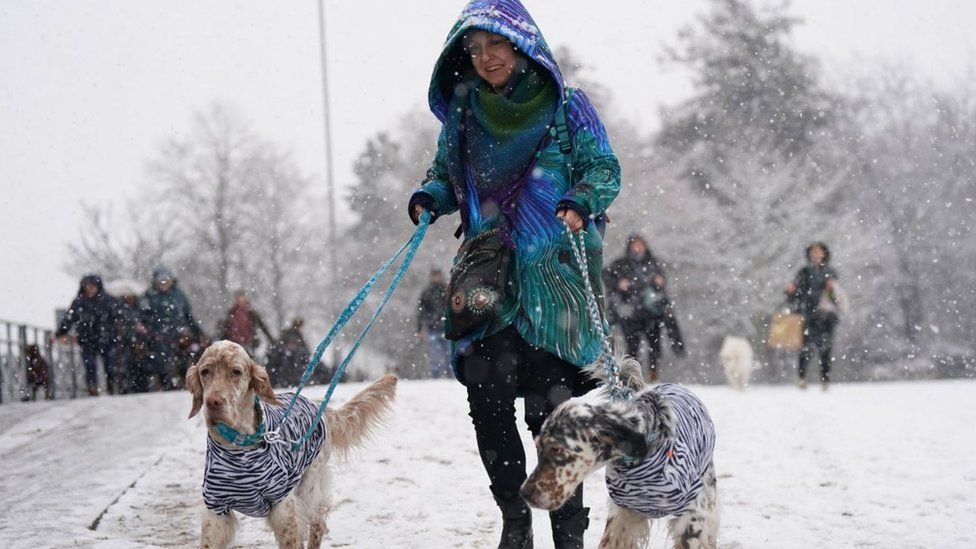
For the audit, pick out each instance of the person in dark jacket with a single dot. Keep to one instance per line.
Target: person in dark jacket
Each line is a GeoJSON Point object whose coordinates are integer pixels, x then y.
{"type": "Point", "coordinates": [38, 373]}
{"type": "Point", "coordinates": [289, 356]}
{"type": "Point", "coordinates": [132, 349]}
{"type": "Point", "coordinates": [170, 325]}
{"type": "Point", "coordinates": [807, 293]}
{"type": "Point", "coordinates": [639, 304]}
{"type": "Point", "coordinates": [92, 314]}
{"type": "Point", "coordinates": [242, 323]}
{"type": "Point", "coordinates": [430, 324]}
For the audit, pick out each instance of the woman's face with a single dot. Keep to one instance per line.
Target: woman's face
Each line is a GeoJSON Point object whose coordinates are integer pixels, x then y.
{"type": "Point", "coordinates": [817, 255]}
{"type": "Point", "coordinates": [637, 247]}
{"type": "Point", "coordinates": [493, 57]}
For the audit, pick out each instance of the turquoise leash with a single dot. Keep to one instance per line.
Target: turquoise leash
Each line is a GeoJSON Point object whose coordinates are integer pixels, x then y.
{"type": "Point", "coordinates": [410, 247]}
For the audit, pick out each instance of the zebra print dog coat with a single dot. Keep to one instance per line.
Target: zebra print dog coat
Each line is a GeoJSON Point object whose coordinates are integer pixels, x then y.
{"type": "Point", "coordinates": [668, 479]}
{"type": "Point", "coordinates": [252, 480]}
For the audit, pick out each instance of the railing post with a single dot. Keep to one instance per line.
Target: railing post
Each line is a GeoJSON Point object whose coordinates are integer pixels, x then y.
{"type": "Point", "coordinates": [49, 356]}
{"type": "Point", "coordinates": [10, 354]}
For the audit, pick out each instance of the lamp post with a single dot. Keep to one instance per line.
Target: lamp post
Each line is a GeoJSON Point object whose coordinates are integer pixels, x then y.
{"type": "Point", "coordinates": [329, 178]}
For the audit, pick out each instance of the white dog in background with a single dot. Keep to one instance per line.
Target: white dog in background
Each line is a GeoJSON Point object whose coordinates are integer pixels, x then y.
{"type": "Point", "coordinates": [737, 361]}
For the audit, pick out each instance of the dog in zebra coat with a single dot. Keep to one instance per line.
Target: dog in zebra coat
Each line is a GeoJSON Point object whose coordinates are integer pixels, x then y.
{"type": "Point", "coordinates": [657, 449]}
{"type": "Point", "coordinates": [248, 475]}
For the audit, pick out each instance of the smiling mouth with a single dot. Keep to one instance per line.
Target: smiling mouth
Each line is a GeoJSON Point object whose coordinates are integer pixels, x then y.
{"type": "Point", "coordinates": [493, 68]}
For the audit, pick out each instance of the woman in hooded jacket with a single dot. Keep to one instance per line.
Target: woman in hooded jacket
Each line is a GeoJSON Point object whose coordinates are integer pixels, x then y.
{"type": "Point", "coordinates": [509, 165]}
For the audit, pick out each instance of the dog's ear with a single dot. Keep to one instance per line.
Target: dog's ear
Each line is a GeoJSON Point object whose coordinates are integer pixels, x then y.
{"type": "Point", "coordinates": [195, 387]}
{"type": "Point", "coordinates": [261, 384]}
{"type": "Point", "coordinates": [622, 435]}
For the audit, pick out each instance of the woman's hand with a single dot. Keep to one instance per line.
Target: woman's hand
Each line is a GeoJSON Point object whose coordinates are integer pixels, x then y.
{"type": "Point", "coordinates": [571, 218]}
{"type": "Point", "coordinates": [416, 212]}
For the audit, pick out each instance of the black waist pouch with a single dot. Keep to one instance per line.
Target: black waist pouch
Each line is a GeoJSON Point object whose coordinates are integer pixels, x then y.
{"type": "Point", "coordinates": [479, 284]}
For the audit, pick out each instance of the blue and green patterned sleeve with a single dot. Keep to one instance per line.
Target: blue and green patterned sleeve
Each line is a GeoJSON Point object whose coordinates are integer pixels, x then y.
{"type": "Point", "coordinates": [595, 166]}
{"type": "Point", "coordinates": [436, 194]}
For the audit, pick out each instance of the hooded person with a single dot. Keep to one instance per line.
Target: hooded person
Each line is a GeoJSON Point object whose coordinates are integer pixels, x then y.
{"type": "Point", "coordinates": [639, 303]}
{"type": "Point", "coordinates": [167, 318]}
{"type": "Point", "coordinates": [518, 156]}
{"type": "Point", "coordinates": [92, 313]}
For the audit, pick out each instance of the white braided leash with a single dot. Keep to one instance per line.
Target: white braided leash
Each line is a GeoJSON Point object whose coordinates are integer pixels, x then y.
{"type": "Point", "coordinates": [607, 359]}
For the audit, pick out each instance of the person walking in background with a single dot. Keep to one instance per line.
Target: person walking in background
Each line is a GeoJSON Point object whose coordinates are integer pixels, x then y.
{"type": "Point", "coordinates": [289, 356]}
{"type": "Point", "coordinates": [815, 294]}
{"type": "Point", "coordinates": [639, 304]}
{"type": "Point", "coordinates": [430, 324]}
{"type": "Point", "coordinates": [131, 350]}
{"type": "Point", "coordinates": [497, 91]}
{"type": "Point", "coordinates": [168, 320]}
{"type": "Point", "coordinates": [38, 373]}
{"type": "Point", "coordinates": [92, 315]}
{"type": "Point", "coordinates": [242, 322]}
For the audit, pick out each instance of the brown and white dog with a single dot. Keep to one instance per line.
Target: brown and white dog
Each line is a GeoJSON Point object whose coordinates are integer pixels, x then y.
{"type": "Point", "coordinates": [229, 382]}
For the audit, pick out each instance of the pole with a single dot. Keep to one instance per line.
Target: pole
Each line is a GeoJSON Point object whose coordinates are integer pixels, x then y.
{"type": "Point", "coordinates": [329, 178]}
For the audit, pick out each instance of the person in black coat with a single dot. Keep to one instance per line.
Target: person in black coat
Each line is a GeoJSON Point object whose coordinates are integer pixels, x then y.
{"type": "Point", "coordinates": [289, 356]}
{"type": "Point", "coordinates": [806, 294]}
{"type": "Point", "coordinates": [132, 347]}
{"type": "Point", "coordinates": [92, 314]}
{"type": "Point", "coordinates": [638, 303]}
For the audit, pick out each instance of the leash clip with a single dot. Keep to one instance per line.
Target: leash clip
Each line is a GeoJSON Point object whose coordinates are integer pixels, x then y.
{"type": "Point", "coordinates": [274, 437]}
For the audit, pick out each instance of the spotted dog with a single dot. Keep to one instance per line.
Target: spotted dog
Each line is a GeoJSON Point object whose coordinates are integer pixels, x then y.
{"type": "Point", "coordinates": [657, 449]}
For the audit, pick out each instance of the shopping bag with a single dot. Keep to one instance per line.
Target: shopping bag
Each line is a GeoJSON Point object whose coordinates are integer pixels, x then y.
{"type": "Point", "coordinates": [786, 331]}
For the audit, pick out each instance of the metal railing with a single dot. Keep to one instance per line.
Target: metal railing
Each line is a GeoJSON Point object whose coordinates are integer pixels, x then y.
{"type": "Point", "coordinates": [66, 373]}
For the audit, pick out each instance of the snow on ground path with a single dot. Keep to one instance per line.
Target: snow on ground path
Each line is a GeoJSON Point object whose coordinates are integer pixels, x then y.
{"type": "Point", "coordinates": [864, 465]}
{"type": "Point", "coordinates": [64, 462]}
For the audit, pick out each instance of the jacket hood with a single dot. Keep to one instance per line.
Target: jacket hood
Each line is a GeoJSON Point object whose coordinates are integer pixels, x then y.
{"type": "Point", "coordinates": [91, 279]}
{"type": "Point", "coordinates": [162, 273]}
{"type": "Point", "coordinates": [635, 237]}
{"type": "Point", "coordinates": [508, 18]}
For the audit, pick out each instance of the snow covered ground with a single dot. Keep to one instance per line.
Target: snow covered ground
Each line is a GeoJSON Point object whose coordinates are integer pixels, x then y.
{"type": "Point", "coordinates": [865, 465]}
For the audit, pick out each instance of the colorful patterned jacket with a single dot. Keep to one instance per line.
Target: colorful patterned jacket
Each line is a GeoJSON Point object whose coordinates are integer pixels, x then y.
{"type": "Point", "coordinates": [550, 311]}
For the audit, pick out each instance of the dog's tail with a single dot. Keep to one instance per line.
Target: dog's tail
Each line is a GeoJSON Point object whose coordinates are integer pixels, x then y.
{"type": "Point", "coordinates": [357, 420]}
{"type": "Point", "coordinates": [629, 371]}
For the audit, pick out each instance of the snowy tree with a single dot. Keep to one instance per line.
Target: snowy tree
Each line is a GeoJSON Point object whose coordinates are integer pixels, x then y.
{"type": "Point", "coordinates": [120, 248]}
{"type": "Point", "coordinates": [916, 174]}
{"type": "Point", "coordinates": [198, 181]}
{"type": "Point", "coordinates": [757, 174]}
{"type": "Point", "coordinates": [226, 210]}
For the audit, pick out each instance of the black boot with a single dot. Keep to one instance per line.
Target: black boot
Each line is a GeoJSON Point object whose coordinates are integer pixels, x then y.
{"type": "Point", "coordinates": [516, 522]}
{"type": "Point", "coordinates": [569, 522]}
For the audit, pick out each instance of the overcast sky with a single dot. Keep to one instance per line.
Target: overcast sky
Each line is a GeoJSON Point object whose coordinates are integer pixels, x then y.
{"type": "Point", "coordinates": [89, 89]}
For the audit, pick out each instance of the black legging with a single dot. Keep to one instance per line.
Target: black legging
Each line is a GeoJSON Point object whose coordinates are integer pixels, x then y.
{"type": "Point", "coordinates": [635, 330]}
{"type": "Point", "coordinates": [818, 338]}
{"type": "Point", "coordinates": [498, 369]}
{"type": "Point", "coordinates": [823, 354]}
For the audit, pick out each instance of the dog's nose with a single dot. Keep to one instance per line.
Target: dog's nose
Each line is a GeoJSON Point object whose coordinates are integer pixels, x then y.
{"type": "Point", "coordinates": [214, 402]}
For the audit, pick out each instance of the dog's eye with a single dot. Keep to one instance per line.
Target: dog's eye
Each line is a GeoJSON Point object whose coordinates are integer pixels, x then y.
{"type": "Point", "coordinates": [236, 372]}
{"type": "Point", "coordinates": [204, 372]}
{"type": "Point", "coordinates": [555, 451]}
